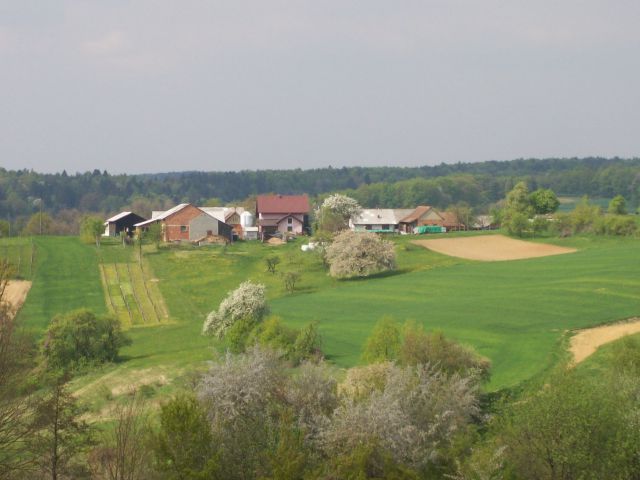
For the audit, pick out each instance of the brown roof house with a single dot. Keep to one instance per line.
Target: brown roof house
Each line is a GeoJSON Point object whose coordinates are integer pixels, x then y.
{"type": "Point", "coordinates": [282, 214]}
{"type": "Point", "coordinates": [422, 215]}
{"type": "Point", "coordinates": [186, 222]}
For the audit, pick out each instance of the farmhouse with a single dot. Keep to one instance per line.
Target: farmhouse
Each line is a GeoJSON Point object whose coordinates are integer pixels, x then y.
{"type": "Point", "coordinates": [186, 222]}
{"type": "Point", "coordinates": [421, 216]}
{"type": "Point", "coordinates": [381, 220]}
{"type": "Point", "coordinates": [121, 223]}
{"type": "Point", "coordinates": [282, 214]}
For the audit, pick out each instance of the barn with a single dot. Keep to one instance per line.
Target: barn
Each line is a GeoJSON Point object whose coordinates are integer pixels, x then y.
{"type": "Point", "coordinates": [122, 222]}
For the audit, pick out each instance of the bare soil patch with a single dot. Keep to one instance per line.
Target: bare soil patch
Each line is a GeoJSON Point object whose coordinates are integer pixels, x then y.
{"type": "Point", "coordinates": [16, 293]}
{"type": "Point", "coordinates": [586, 342]}
{"type": "Point", "coordinates": [491, 248]}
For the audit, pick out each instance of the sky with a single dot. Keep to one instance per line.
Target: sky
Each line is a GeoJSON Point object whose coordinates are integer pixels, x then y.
{"type": "Point", "coordinates": [157, 85]}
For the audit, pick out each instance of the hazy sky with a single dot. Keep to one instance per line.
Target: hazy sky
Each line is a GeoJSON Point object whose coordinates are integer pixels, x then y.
{"type": "Point", "coordinates": [156, 85]}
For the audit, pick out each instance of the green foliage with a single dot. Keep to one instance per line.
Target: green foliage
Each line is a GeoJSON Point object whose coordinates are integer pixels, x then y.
{"type": "Point", "coordinates": [183, 444]}
{"type": "Point", "coordinates": [572, 428]}
{"type": "Point", "coordinates": [543, 201]}
{"type": "Point", "coordinates": [81, 338]}
{"type": "Point", "coordinates": [384, 342]}
{"type": "Point", "coordinates": [518, 201]}
{"type": "Point", "coordinates": [91, 229]}
{"type": "Point", "coordinates": [618, 205]}
{"type": "Point", "coordinates": [153, 234]}
{"type": "Point", "coordinates": [626, 356]}
{"type": "Point", "coordinates": [38, 224]}
{"type": "Point", "coordinates": [5, 228]}
{"type": "Point", "coordinates": [421, 347]}
{"type": "Point", "coordinates": [539, 225]}
{"type": "Point", "coordinates": [621, 225]}
{"type": "Point", "coordinates": [274, 334]}
{"type": "Point", "coordinates": [366, 461]}
{"type": "Point", "coordinates": [517, 223]}
{"type": "Point", "coordinates": [584, 216]}
{"type": "Point", "coordinates": [272, 262]}
{"type": "Point", "coordinates": [61, 433]}
{"type": "Point", "coordinates": [308, 344]}
{"type": "Point", "coordinates": [290, 279]}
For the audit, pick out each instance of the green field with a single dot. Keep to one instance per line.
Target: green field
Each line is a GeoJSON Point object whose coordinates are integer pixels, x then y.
{"type": "Point", "coordinates": [20, 252]}
{"type": "Point", "coordinates": [516, 313]}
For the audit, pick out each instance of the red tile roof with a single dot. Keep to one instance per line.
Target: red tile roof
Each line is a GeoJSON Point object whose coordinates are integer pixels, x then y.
{"type": "Point", "coordinates": [416, 214]}
{"type": "Point", "coordinates": [282, 204]}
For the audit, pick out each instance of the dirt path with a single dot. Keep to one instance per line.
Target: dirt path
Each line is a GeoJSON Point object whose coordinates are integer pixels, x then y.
{"type": "Point", "coordinates": [586, 342]}
{"type": "Point", "coordinates": [491, 248]}
{"type": "Point", "coordinates": [16, 293]}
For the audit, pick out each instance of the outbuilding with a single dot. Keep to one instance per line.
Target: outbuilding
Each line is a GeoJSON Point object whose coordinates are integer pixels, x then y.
{"type": "Point", "coordinates": [122, 223]}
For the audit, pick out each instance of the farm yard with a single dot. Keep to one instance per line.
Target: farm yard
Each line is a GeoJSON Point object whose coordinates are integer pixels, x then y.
{"type": "Point", "coordinates": [517, 313]}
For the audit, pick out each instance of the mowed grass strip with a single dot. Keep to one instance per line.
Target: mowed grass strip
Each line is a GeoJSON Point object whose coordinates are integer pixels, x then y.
{"type": "Point", "coordinates": [65, 277]}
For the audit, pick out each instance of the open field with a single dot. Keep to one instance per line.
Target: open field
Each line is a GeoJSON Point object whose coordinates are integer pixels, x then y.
{"type": "Point", "coordinates": [585, 342]}
{"type": "Point", "coordinates": [16, 293]}
{"type": "Point", "coordinates": [516, 313]}
{"type": "Point", "coordinates": [492, 248]}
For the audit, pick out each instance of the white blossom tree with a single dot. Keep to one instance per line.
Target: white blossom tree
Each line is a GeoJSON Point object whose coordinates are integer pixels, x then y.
{"type": "Point", "coordinates": [248, 301]}
{"type": "Point", "coordinates": [359, 254]}
{"type": "Point", "coordinates": [336, 210]}
{"type": "Point", "coordinates": [414, 416]}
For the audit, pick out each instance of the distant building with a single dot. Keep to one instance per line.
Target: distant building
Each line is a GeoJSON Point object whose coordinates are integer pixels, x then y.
{"type": "Point", "coordinates": [229, 215]}
{"type": "Point", "coordinates": [186, 222]}
{"type": "Point", "coordinates": [282, 214]}
{"type": "Point", "coordinates": [122, 223]}
{"type": "Point", "coordinates": [380, 220]}
{"type": "Point", "coordinates": [421, 216]}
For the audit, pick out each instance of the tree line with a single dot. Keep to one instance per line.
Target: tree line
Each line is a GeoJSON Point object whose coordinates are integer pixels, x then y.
{"type": "Point", "coordinates": [64, 196]}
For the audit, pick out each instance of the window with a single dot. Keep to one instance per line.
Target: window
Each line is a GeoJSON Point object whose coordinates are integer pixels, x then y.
{"type": "Point", "coordinates": [289, 228]}
{"type": "Point", "coordinates": [290, 221]}
{"type": "Point", "coordinates": [184, 228]}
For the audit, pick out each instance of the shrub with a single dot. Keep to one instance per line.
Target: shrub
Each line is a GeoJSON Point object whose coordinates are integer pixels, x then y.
{"type": "Point", "coordinates": [81, 338]}
{"type": "Point", "coordinates": [384, 342]}
{"type": "Point", "coordinates": [359, 254]}
{"type": "Point", "coordinates": [420, 347]}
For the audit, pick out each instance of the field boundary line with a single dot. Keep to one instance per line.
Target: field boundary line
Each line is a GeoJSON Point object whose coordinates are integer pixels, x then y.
{"type": "Point", "coordinates": [135, 296]}
{"type": "Point", "coordinates": [124, 297]}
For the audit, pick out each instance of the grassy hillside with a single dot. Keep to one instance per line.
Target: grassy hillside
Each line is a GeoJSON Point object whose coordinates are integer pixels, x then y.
{"type": "Point", "coordinates": [65, 277]}
{"type": "Point", "coordinates": [514, 312]}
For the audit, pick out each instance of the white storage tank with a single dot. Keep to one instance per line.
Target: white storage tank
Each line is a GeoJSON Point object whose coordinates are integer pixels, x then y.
{"type": "Point", "coordinates": [246, 219]}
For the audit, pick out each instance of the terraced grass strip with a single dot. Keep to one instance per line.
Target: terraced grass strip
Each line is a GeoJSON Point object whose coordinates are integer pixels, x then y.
{"type": "Point", "coordinates": [135, 296]}
{"type": "Point", "coordinates": [107, 293]}
{"type": "Point", "coordinates": [124, 296]}
{"type": "Point", "coordinates": [140, 286]}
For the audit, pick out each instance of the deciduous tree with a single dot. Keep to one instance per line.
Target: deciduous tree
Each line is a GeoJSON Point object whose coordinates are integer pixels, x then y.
{"type": "Point", "coordinates": [359, 254]}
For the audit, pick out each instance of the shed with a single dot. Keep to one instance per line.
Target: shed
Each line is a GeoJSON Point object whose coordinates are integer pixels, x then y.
{"type": "Point", "coordinates": [122, 222]}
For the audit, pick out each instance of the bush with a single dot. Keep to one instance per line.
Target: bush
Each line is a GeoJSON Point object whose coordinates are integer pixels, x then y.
{"type": "Point", "coordinates": [384, 342]}
{"type": "Point", "coordinates": [81, 338]}
{"type": "Point", "coordinates": [359, 254]}
{"type": "Point", "coordinates": [420, 347]}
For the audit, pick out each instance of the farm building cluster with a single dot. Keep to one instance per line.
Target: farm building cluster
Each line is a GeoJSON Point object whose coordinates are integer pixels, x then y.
{"type": "Point", "coordinates": [277, 216]}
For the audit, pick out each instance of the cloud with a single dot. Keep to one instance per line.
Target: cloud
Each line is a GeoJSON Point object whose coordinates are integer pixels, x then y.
{"type": "Point", "coordinates": [111, 43]}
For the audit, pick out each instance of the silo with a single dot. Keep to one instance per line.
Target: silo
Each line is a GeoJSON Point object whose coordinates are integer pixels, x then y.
{"type": "Point", "coordinates": [246, 219]}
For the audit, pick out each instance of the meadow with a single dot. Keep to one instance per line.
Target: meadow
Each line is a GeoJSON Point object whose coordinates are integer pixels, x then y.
{"type": "Point", "coordinates": [516, 313]}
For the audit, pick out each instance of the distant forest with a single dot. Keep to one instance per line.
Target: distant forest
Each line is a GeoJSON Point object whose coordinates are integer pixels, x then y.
{"type": "Point", "coordinates": [24, 192]}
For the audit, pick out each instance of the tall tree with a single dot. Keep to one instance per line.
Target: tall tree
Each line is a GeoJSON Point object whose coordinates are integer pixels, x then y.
{"type": "Point", "coordinates": [61, 432]}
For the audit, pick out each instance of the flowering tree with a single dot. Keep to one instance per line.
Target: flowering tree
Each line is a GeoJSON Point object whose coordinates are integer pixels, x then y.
{"type": "Point", "coordinates": [247, 302]}
{"type": "Point", "coordinates": [359, 254]}
{"type": "Point", "coordinates": [335, 212]}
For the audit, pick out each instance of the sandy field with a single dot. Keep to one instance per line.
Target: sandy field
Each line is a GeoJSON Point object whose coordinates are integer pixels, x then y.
{"type": "Point", "coordinates": [490, 248]}
{"type": "Point", "coordinates": [586, 342]}
{"type": "Point", "coordinates": [16, 293]}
